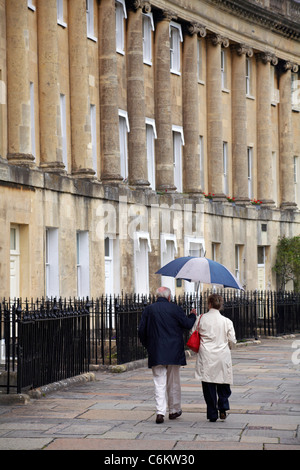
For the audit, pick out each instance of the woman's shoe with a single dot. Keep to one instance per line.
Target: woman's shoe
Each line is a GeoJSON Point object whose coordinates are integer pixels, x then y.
{"type": "Point", "coordinates": [223, 414]}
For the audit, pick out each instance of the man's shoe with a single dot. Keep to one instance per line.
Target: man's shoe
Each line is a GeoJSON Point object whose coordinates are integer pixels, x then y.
{"type": "Point", "coordinates": [159, 419]}
{"type": "Point", "coordinates": [175, 415]}
{"type": "Point", "coordinates": [223, 414]}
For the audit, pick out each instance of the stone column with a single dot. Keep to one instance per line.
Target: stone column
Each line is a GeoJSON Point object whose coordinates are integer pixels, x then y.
{"type": "Point", "coordinates": [49, 103]}
{"type": "Point", "coordinates": [108, 83]}
{"type": "Point", "coordinates": [18, 85]}
{"type": "Point", "coordinates": [286, 155]}
{"type": "Point", "coordinates": [239, 122]}
{"type": "Point", "coordinates": [137, 154]}
{"type": "Point", "coordinates": [82, 164]}
{"type": "Point", "coordinates": [214, 115]}
{"type": "Point", "coordinates": [162, 89]}
{"type": "Point", "coordinates": [191, 160]}
{"type": "Point", "coordinates": [264, 129]}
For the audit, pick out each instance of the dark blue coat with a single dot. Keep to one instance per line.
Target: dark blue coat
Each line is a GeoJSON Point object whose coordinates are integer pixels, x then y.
{"type": "Point", "coordinates": [161, 332]}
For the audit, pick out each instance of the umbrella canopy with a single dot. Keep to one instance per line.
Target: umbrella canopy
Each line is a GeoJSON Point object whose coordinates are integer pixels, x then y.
{"type": "Point", "coordinates": [204, 270]}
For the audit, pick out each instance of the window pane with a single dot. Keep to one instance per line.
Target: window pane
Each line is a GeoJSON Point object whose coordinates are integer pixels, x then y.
{"type": "Point", "coordinates": [13, 245]}
{"type": "Point", "coordinates": [260, 255]}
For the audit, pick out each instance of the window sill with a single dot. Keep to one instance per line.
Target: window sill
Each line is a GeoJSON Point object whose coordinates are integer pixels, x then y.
{"type": "Point", "coordinates": [92, 38]}
{"type": "Point", "coordinates": [175, 72]}
{"type": "Point", "coordinates": [250, 97]}
{"type": "Point", "coordinates": [62, 23]}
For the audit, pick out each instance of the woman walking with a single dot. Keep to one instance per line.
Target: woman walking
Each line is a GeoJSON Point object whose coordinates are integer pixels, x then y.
{"type": "Point", "coordinates": [213, 363]}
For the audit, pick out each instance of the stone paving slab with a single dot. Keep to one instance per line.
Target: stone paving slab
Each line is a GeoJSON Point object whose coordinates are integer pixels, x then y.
{"type": "Point", "coordinates": [117, 411]}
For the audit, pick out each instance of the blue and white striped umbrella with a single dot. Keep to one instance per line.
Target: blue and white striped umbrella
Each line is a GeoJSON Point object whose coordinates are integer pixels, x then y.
{"type": "Point", "coordinates": [203, 270]}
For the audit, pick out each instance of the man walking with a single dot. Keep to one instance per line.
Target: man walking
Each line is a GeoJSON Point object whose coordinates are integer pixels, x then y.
{"type": "Point", "coordinates": [161, 332]}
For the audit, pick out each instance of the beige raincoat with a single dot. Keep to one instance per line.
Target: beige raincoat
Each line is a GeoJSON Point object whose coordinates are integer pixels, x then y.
{"type": "Point", "coordinates": [213, 363]}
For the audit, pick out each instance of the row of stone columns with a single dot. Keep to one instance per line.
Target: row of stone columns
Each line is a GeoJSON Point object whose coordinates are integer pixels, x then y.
{"type": "Point", "coordinates": [51, 152]}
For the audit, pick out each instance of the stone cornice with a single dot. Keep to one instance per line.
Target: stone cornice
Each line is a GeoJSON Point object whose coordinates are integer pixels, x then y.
{"type": "Point", "coordinates": [271, 19]}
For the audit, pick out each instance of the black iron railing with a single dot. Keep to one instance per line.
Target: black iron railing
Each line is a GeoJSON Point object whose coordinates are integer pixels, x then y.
{"type": "Point", "coordinates": [43, 342]}
{"type": "Point", "coordinates": [49, 340]}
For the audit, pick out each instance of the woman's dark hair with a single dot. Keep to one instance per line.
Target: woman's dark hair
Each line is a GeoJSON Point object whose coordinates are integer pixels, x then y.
{"type": "Point", "coordinates": [216, 301]}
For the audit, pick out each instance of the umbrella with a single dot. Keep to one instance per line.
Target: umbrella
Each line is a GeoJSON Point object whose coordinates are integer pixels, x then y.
{"type": "Point", "coordinates": [204, 270]}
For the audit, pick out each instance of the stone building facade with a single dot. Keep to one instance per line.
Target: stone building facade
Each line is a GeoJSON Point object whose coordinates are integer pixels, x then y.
{"type": "Point", "coordinates": [119, 117]}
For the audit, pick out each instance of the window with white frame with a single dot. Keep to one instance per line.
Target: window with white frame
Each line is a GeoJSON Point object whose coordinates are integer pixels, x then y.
{"type": "Point", "coordinates": [121, 14]}
{"type": "Point", "coordinates": [178, 142]}
{"type": "Point", "coordinates": [248, 76]}
{"type": "Point", "coordinates": [261, 265]}
{"type": "Point", "coordinates": [150, 137]}
{"type": "Point", "coordinates": [15, 256]}
{"type": "Point", "coordinates": [60, 13]}
{"type": "Point", "coordinates": [123, 130]}
{"type": "Point", "coordinates": [200, 60]}
{"type": "Point", "coordinates": [215, 248]}
{"type": "Point", "coordinates": [94, 137]}
{"type": "Point", "coordinates": [274, 178]}
{"type": "Point", "coordinates": [193, 246]}
{"type": "Point", "coordinates": [168, 246]}
{"type": "Point", "coordinates": [32, 119]}
{"type": "Point", "coordinates": [175, 39]}
{"type": "Point", "coordinates": [297, 179]}
{"type": "Point", "coordinates": [90, 20]}
{"type": "Point", "coordinates": [30, 5]}
{"type": "Point", "coordinates": [250, 171]}
{"type": "Point", "coordinates": [52, 262]}
{"type": "Point", "coordinates": [202, 163]}
{"type": "Point", "coordinates": [112, 264]}
{"type": "Point", "coordinates": [148, 27]}
{"type": "Point", "coordinates": [63, 125]}
{"type": "Point", "coordinates": [275, 98]}
{"type": "Point", "coordinates": [142, 247]}
{"type": "Point", "coordinates": [295, 83]}
{"type": "Point", "coordinates": [238, 257]}
{"type": "Point", "coordinates": [223, 69]}
{"type": "Point", "coordinates": [225, 167]}
{"type": "Point", "coordinates": [83, 263]}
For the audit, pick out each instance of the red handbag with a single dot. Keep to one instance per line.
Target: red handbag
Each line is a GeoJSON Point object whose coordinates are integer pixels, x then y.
{"type": "Point", "coordinates": [194, 340]}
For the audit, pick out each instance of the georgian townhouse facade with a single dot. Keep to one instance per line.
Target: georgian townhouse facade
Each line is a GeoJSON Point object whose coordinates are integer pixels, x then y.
{"type": "Point", "coordinates": [133, 132]}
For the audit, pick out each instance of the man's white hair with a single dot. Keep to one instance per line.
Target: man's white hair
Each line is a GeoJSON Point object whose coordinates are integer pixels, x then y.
{"type": "Point", "coordinates": [163, 292]}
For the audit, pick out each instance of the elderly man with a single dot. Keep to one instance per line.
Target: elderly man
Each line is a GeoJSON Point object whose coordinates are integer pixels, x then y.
{"type": "Point", "coordinates": [161, 332]}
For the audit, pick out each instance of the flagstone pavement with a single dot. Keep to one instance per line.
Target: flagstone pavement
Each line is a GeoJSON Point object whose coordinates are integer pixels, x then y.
{"type": "Point", "coordinates": [116, 411]}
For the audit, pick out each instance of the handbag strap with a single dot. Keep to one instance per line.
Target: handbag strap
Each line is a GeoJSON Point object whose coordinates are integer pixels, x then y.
{"type": "Point", "coordinates": [199, 322]}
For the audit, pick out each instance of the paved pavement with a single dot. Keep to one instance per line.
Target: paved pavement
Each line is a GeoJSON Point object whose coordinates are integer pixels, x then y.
{"type": "Point", "coordinates": [115, 412]}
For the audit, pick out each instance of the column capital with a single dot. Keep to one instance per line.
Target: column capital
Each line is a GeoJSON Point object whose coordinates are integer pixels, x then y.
{"type": "Point", "coordinates": [288, 65]}
{"type": "Point", "coordinates": [196, 28]}
{"type": "Point", "coordinates": [143, 4]}
{"type": "Point", "coordinates": [241, 49]}
{"type": "Point", "coordinates": [216, 39]}
{"type": "Point", "coordinates": [267, 57]}
{"type": "Point", "coordinates": [166, 15]}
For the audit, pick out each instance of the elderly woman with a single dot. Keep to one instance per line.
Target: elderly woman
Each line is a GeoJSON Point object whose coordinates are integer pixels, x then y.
{"type": "Point", "coordinates": [213, 363]}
